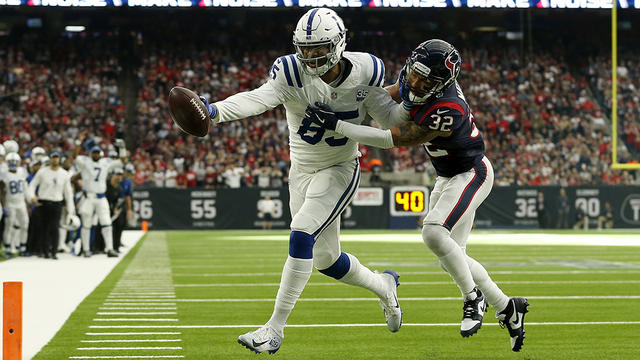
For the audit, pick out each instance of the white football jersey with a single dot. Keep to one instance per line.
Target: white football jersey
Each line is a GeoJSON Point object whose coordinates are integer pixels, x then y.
{"type": "Point", "coordinates": [15, 187]}
{"type": "Point", "coordinates": [94, 173]}
{"type": "Point", "coordinates": [360, 94]}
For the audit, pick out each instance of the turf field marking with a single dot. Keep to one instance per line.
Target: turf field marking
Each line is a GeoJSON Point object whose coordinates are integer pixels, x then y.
{"type": "Point", "coordinates": [544, 282]}
{"type": "Point", "coordinates": [129, 357]}
{"type": "Point", "coordinates": [133, 348]}
{"type": "Point", "coordinates": [138, 313]}
{"type": "Point", "coordinates": [130, 340]}
{"type": "Point", "coordinates": [553, 272]}
{"type": "Point", "coordinates": [456, 298]}
{"type": "Point", "coordinates": [137, 303]}
{"type": "Point", "coordinates": [134, 319]}
{"type": "Point", "coordinates": [111, 296]}
{"type": "Point", "coordinates": [138, 308]}
{"type": "Point", "coordinates": [142, 293]}
{"type": "Point", "coordinates": [562, 323]}
{"type": "Point", "coordinates": [132, 333]}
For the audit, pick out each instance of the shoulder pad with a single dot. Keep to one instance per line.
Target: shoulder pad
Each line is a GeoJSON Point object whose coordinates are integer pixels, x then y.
{"type": "Point", "coordinates": [373, 70]}
{"type": "Point", "coordinates": [286, 69]}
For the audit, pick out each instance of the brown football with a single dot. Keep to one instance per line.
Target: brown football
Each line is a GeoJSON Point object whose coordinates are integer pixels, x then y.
{"type": "Point", "coordinates": [188, 111]}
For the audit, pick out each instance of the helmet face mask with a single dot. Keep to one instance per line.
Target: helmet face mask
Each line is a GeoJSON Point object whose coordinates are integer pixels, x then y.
{"type": "Point", "coordinates": [319, 39]}
{"type": "Point", "coordinates": [13, 161]}
{"type": "Point", "coordinates": [432, 67]}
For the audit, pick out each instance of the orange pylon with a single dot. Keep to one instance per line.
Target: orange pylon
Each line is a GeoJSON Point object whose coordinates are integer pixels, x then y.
{"type": "Point", "coordinates": [12, 320]}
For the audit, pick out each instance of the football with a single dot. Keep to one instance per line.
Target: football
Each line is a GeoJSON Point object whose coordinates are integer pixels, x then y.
{"type": "Point", "coordinates": [188, 111]}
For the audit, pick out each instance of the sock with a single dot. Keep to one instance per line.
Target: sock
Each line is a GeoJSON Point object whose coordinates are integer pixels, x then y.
{"type": "Point", "coordinates": [295, 275]}
{"type": "Point", "coordinates": [489, 288]}
{"type": "Point", "coordinates": [107, 235]}
{"type": "Point", "coordinates": [454, 262]}
{"type": "Point", "coordinates": [360, 275]}
{"type": "Point", "coordinates": [85, 233]}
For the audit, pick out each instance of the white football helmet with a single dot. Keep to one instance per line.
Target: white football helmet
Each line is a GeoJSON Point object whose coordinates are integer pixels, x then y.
{"type": "Point", "coordinates": [70, 223]}
{"type": "Point", "coordinates": [320, 27]}
{"type": "Point", "coordinates": [11, 146]}
{"type": "Point", "coordinates": [13, 161]}
{"type": "Point", "coordinates": [37, 153]}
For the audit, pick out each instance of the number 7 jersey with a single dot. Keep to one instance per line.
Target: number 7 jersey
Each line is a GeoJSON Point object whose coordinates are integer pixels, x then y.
{"type": "Point", "coordinates": [464, 148]}
{"type": "Point", "coordinates": [360, 93]}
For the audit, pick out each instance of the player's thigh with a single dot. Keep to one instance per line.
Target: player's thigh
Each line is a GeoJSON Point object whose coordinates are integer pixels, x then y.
{"type": "Point", "coordinates": [298, 184]}
{"type": "Point", "coordinates": [102, 211]}
{"type": "Point", "coordinates": [461, 195]}
{"type": "Point", "coordinates": [328, 194]}
{"type": "Point", "coordinates": [22, 217]}
{"type": "Point", "coordinates": [326, 249]}
{"type": "Point", "coordinates": [86, 208]}
{"type": "Point", "coordinates": [437, 191]}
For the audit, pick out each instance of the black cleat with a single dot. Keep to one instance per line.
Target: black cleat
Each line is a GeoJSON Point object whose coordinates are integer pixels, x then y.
{"type": "Point", "coordinates": [512, 317]}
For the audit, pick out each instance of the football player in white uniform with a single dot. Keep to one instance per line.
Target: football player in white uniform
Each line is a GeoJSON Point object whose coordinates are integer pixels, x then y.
{"type": "Point", "coordinates": [15, 194]}
{"type": "Point", "coordinates": [442, 121]}
{"type": "Point", "coordinates": [3, 169]}
{"type": "Point", "coordinates": [325, 171]}
{"type": "Point", "coordinates": [94, 171]}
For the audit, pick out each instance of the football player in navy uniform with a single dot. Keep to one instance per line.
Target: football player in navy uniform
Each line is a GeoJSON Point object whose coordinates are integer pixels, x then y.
{"type": "Point", "coordinates": [442, 122]}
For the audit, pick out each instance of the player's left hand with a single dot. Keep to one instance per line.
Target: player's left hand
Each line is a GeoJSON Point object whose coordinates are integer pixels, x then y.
{"type": "Point", "coordinates": [322, 115]}
{"type": "Point", "coordinates": [213, 111]}
{"type": "Point", "coordinates": [402, 89]}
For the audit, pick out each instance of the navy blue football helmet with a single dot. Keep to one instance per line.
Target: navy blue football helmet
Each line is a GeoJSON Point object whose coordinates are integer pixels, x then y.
{"type": "Point", "coordinates": [436, 63]}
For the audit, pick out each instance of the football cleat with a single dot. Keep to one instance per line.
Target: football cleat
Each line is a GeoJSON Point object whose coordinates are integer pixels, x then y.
{"type": "Point", "coordinates": [473, 311]}
{"type": "Point", "coordinates": [512, 317]}
{"type": "Point", "coordinates": [263, 339]}
{"type": "Point", "coordinates": [390, 304]}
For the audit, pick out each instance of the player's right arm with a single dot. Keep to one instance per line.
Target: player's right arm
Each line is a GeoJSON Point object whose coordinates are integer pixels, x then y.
{"type": "Point", "coordinates": [284, 76]}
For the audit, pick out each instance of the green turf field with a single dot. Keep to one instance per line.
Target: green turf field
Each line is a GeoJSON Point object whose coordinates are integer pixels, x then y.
{"type": "Point", "coordinates": [190, 294]}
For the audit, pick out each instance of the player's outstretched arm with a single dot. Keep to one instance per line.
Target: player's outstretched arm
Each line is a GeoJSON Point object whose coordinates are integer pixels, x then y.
{"type": "Point", "coordinates": [404, 134]}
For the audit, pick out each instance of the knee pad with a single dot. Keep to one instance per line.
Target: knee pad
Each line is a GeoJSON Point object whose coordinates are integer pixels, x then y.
{"type": "Point", "coordinates": [339, 268]}
{"type": "Point", "coordinates": [435, 237]}
{"type": "Point", "coordinates": [301, 245]}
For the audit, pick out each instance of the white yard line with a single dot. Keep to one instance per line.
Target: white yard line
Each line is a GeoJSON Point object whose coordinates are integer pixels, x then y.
{"type": "Point", "coordinates": [590, 297]}
{"type": "Point", "coordinates": [131, 333]}
{"type": "Point", "coordinates": [133, 319]}
{"type": "Point", "coordinates": [441, 272]}
{"type": "Point", "coordinates": [129, 357]}
{"type": "Point", "coordinates": [335, 283]}
{"type": "Point", "coordinates": [131, 348]}
{"type": "Point", "coordinates": [138, 313]}
{"type": "Point", "coordinates": [562, 323]}
{"type": "Point", "coordinates": [64, 283]}
{"type": "Point", "coordinates": [137, 308]}
{"type": "Point", "coordinates": [130, 340]}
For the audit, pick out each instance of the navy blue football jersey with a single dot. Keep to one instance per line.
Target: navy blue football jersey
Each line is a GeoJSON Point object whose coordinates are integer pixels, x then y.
{"type": "Point", "coordinates": [464, 148]}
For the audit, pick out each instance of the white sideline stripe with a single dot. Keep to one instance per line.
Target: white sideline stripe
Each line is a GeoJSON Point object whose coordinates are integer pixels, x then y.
{"type": "Point", "coordinates": [138, 303]}
{"type": "Point", "coordinates": [456, 298]}
{"type": "Point", "coordinates": [134, 319]}
{"type": "Point", "coordinates": [133, 348]}
{"type": "Point", "coordinates": [425, 283]}
{"type": "Point", "coordinates": [130, 340]}
{"type": "Point", "coordinates": [143, 293]}
{"type": "Point", "coordinates": [141, 296]}
{"type": "Point", "coordinates": [130, 357]}
{"type": "Point", "coordinates": [138, 313]}
{"type": "Point", "coordinates": [132, 333]}
{"type": "Point", "coordinates": [501, 272]}
{"type": "Point", "coordinates": [138, 308]}
{"type": "Point", "coordinates": [384, 325]}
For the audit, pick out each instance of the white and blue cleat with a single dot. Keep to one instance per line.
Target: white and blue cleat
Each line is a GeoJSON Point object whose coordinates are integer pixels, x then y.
{"type": "Point", "coordinates": [389, 303]}
{"type": "Point", "coordinates": [261, 340]}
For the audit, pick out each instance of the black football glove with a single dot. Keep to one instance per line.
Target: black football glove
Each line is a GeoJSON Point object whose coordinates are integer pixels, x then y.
{"type": "Point", "coordinates": [322, 115]}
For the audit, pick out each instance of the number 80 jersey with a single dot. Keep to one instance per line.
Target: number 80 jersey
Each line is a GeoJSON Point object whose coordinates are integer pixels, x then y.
{"type": "Point", "coordinates": [464, 148]}
{"type": "Point", "coordinates": [312, 147]}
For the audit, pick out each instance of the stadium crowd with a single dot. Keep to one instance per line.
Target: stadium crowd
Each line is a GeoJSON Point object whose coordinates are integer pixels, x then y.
{"type": "Point", "coordinates": [541, 121]}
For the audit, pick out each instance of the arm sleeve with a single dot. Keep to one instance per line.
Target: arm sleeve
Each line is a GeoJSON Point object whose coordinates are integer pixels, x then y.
{"type": "Point", "coordinates": [81, 160]}
{"type": "Point", "coordinates": [35, 182]}
{"type": "Point", "coordinates": [114, 164]}
{"type": "Point", "coordinates": [68, 196]}
{"type": "Point", "coordinates": [384, 110]}
{"type": "Point", "coordinates": [245, 104]}
{"type": "Point", "coordinates": [28, 193]}
{"type": "Point", "coordinates": [366, 135]}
